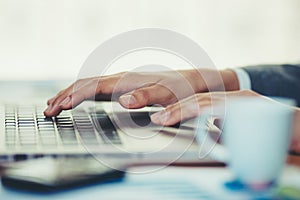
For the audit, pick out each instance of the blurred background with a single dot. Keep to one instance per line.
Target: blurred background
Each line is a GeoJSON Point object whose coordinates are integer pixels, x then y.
{"type": "Point", "coordinates": [50, 39]}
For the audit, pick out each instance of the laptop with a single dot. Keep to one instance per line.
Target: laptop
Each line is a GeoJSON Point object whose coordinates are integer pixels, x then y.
{"type": "Point", "coordinates": [102, 129]}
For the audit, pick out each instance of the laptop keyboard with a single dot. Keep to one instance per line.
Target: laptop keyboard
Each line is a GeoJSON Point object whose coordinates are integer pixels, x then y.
{"type": "Point", "coordinates": [26, 126]}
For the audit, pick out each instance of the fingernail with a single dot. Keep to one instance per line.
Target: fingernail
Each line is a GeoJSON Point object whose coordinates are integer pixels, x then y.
{"type": "Point", "coordinates": [48, 109]}
{"type": "Point", "coordinates": [65, 101]}
{"type": "Point", "coordinates": [160, 117]}
{"type": "Point", "coordinates": [128, 99]}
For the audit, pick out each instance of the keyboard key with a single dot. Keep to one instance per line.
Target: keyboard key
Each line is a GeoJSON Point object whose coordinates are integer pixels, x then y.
{"type": "Point", "coordinates": [28, 127]}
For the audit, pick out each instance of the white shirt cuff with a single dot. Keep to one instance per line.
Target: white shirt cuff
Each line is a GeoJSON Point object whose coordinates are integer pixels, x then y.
{"type": "Point", "coordinates": [243, 77]}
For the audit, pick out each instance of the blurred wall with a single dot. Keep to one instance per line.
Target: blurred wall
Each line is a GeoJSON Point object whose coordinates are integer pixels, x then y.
{"type": "Point", "coordinates": [50, 39]}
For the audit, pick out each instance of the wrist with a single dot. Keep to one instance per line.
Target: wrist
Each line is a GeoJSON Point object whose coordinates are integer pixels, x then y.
{"type": "Point", "coordinates": [208, 80]}
{"type": "Point", "coordinates": [230, 80]}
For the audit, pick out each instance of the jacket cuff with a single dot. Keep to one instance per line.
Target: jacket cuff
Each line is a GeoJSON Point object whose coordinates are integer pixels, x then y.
{"type": "Point", "coordinates": [243, 78]}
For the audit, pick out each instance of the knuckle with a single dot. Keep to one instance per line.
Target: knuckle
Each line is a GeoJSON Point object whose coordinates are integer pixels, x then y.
{"type": "Point", "coordinates": [60, 93]}
{"type": "Point", "coordinates": [50, 100]}
{"type": "Point", "coordinates": [143, 94]}
{"type": "Point", "coordinates": [169, 95]}
{"type": "Point", "coordinates": [77, 96]}
{"type": "Point", "coordinates": [107, 85]}
{"type": "Point", "coordinates": [106, 88]}
{"type": "Point", "coordinates": [77, 83]}
{"type": "Point", "coordinates": [82, 80]}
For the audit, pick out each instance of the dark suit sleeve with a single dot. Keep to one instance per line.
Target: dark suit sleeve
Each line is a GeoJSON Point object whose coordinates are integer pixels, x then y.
{"type": "Point", "coordinates": [276, 80]}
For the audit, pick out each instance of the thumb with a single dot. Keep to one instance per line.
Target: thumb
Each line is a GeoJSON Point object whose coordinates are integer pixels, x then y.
{"type": "Point", "coordinates": [142, 97]}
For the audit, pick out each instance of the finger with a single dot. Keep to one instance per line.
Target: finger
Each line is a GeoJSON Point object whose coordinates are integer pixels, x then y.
{"type": "Point", "coordinates": [107, 87]}
{"type": "Point", "coordinates": [49, 101]}
{"type": "Point", "coordinates": [194, 105]}
{"type": "Point", "coordinates": [185, 109]}
{"type": "Point", "coordinates": [76, 96]}
{"type": "Point", "coordinates": [89, 88]}
{"type": "Point", "coordinates": [154, 94]}
{"type": "Point", "coordinates": [54, 103]}
{"type": "Point", "coordinates": [52, 109]}
{"type": "Point", "coordinates": [97, 87]}
{"type": "Point", "coordinates": [58, 96]}
{"type": "Point", "coordinates": [55, 111]}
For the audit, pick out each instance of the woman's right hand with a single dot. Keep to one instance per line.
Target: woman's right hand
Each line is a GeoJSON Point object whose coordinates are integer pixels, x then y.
{"type": "Point", "coordinates": [139, 89]}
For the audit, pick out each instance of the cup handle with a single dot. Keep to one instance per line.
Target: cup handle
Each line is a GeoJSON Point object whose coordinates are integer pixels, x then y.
{"type": "Point", "coordinates": [207, 146]}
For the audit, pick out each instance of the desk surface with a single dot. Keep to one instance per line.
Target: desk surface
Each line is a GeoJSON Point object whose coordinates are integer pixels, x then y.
{"type": "Point", "coordinates": [168, 183]}
{"type": "Point", "coordinates": [198, 182]}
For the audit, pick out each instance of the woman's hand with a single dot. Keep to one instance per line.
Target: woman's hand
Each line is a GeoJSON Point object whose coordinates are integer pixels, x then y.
{"type": "Point", "coordinates": [194, 105]}
{"type": "Point", "coordinates": [139, 89]}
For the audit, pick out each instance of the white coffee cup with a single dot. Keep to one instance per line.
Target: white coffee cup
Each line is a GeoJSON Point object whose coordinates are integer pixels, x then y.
{"type": "Point", "coordinates": [255, 137]}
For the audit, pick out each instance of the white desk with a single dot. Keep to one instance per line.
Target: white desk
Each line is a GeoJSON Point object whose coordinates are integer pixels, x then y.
{"type": "Point", "coordinates": [169, 183]}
